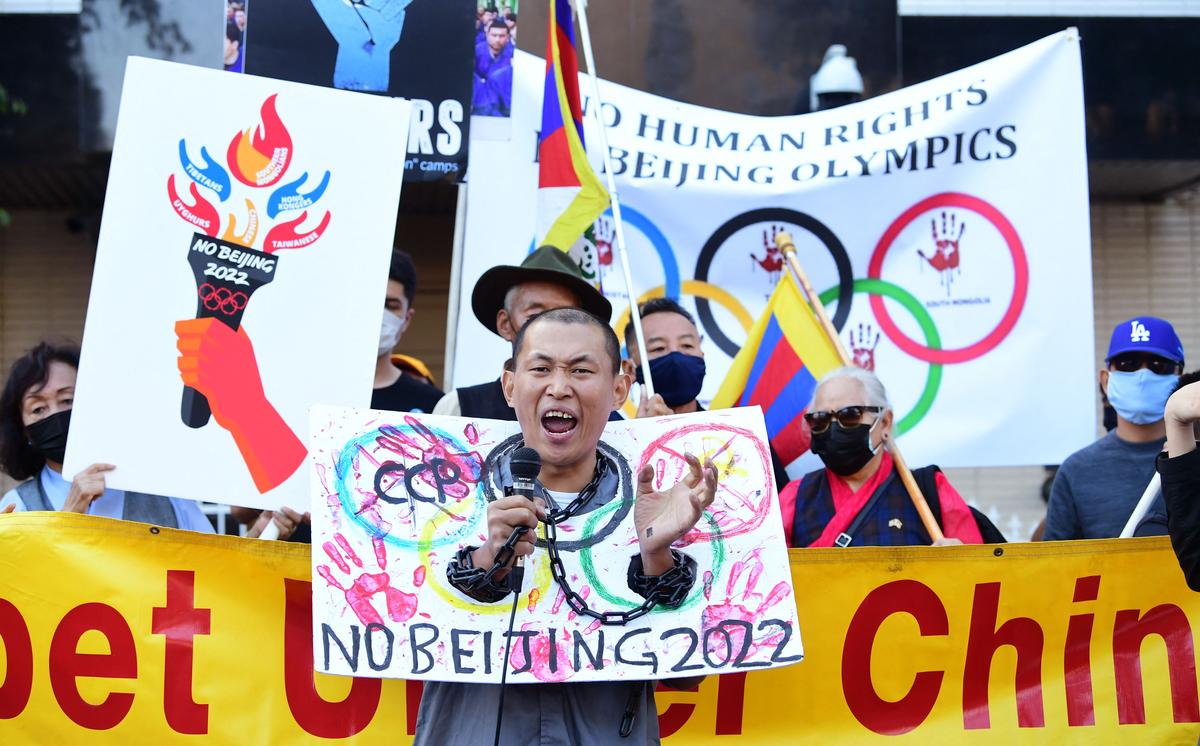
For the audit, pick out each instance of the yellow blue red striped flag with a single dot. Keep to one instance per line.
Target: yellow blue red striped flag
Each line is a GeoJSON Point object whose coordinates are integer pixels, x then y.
{"type": "Point", "coordinates": [785, 354]}
{"type": "Point", "coordinates": [570, 196]}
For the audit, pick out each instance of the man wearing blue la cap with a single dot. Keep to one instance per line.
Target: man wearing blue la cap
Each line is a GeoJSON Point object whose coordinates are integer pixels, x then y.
{"type": "Point", "coordinates": [1097, 487]}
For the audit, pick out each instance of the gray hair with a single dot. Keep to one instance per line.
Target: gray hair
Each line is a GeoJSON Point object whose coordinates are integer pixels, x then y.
{"type": "Point", "coordinates": [509, 296]}
{"type": "Point", "coordinates": [875, 393]}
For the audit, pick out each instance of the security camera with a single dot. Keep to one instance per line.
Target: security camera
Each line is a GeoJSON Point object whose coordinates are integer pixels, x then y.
{"type": "Point", "coordinates": [836, 83]}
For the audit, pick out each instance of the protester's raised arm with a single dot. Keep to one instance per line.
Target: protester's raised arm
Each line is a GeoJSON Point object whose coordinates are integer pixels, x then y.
{"type": "Point", "coordinates": [1182, 414]}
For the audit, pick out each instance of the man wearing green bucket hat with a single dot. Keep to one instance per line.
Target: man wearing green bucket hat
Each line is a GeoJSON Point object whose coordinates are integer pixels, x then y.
{"type": "Point", "coordinates": [504, 299]}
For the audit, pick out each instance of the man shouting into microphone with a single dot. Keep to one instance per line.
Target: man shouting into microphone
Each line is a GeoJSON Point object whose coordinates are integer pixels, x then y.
{"type": "Point", "coordinates": [564, 383]}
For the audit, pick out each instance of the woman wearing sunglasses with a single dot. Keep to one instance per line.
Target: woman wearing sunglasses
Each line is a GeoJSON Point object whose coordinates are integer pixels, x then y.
{"type": "Point", "coordinates": [858, 498]}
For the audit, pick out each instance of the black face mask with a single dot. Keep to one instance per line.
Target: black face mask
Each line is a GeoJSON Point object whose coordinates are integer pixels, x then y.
{"type": "Point", "coordinates": [844, 450]}
{"type": "Point", "coordinates": [49, 436]}
{"type": "Point", "coordinates": [678, 377]}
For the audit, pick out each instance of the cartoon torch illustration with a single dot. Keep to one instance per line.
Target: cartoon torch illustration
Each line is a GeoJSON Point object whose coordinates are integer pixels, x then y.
{"type": "Point", "coordinates": [217, 361]}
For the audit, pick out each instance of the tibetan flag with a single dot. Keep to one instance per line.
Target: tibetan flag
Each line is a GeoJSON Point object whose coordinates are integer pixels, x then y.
{"type": "Point", "coordinates": [570, 196]}
{"type": "Point", "coordinates": [785, 355]}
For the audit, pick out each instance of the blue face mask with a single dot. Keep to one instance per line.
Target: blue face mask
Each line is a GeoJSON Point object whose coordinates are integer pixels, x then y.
{"type": "Point", "coordinates": [1141, 396]}
{"type": "Point", "coordinates": [677, 377]}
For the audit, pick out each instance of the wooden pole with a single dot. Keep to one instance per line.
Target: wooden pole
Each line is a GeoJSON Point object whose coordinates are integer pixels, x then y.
{"type": "Point", "coordinates": [784, 241]}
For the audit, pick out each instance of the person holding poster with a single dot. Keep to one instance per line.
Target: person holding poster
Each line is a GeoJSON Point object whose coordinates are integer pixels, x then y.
{"type": "Point", "coordinates": [858, 497]}
{"type": "Point", "coordinates": [564, 382]}
{"type": "Point", "coordinates": [1097, 487]}
{"type": "Point", "coordinates": [504, 299]}
{"type": "Point", "coordinates": [35, 419]}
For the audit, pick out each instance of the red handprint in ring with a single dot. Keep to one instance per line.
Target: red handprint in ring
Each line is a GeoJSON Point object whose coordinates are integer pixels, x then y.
{"type": "Point", "coordinates": [945, 258]}
{"type": "Point", "coordinates": [772, 260]}
{"type": "Point", "coordinates": [862, 347]}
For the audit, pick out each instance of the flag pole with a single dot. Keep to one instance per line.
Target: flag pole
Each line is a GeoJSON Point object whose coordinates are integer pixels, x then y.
{"type": "Point", "coordinates": [784, 241]}
{"type": "Point", "coordinates": [1151, 493]}
{"type": "Point", "coordinates": [635, 317]}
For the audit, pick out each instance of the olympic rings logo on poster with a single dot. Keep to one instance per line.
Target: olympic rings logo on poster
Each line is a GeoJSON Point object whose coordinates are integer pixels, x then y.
{"type": "Point", "coordinates": [222, 299]}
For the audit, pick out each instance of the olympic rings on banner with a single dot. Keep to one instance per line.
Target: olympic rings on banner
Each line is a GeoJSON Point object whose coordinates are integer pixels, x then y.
{"type": "Point", "coordinates": [777, 215]}
{"type": "Point", "coordinates": [933, 380]}
{"type": "Point", "coordinates": [690, 287]}
{"type": "Point", "coordinates": [1020, 279]}
{"type": "Point", "coordinates": [661, 245]}
{"type": "Point", "coordinates": [222, 299]}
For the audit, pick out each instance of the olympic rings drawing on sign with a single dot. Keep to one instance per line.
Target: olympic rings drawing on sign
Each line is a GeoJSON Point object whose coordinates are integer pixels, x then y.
{"type": "Point", "coordinates": [690, 287]}
{"type": "Point", "coordinates": [345, 468]}
{"type": "Point", "coordinates": [777, 215]}
{"type": "Point", "coordinates": [1020, 279]}
{"type": "Point", "coordinates": [588, 565]}
{"type": "Point", "coordinates": [539, 562]}
{"type": "Point", "coordinates": [933, 380]}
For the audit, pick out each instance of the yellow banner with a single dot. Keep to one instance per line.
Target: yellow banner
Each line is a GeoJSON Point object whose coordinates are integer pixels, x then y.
{"type": "Point", "coordinates": [116, 632]}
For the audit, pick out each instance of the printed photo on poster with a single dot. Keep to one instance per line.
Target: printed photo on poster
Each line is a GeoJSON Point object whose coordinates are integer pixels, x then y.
{"type": "Point", "coordinates": [235, 34]}
{"type": "Point", "coordinates": [414, 49]}
{"type": "Point", "coordinates": [495, 41]}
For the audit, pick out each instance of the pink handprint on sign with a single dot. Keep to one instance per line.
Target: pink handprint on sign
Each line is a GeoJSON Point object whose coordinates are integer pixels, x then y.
{"type": "Point", "coordinates": [545, 653]}
{"type": "Point", "coordinates": [945, 257]}
{"type": "Point", "coordinates": [367, 586]}
{"type": "Point", "coordinates": [862, 347]}
{"type": "Point", "coordinates": [744, 608]}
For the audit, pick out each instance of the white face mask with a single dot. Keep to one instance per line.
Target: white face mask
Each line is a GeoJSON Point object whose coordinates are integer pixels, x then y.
{"type": "Point", "coordinates": [389, 332]}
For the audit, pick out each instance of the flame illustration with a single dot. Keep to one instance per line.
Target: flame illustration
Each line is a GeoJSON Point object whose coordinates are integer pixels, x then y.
{"type": "Point", "coordinates": [288, 196]}
{"type": "Point", "coordinates": [247, 237]}
{"type": "Point", "coordinates": [201, 214]}
{"type": "Point", "coordinates": [210, 175]}
{"type": "Point", "coordinates": [284, 235]}
{"type": "Point", "coordinates": [258, 157]}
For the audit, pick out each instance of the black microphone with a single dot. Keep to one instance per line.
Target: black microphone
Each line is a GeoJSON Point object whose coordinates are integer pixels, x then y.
{"type": "Point", "coordinates": [525, 464]}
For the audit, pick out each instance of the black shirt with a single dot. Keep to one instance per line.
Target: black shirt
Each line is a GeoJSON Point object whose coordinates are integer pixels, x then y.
{"type": "Point", "coordinates": [407, 394]}
{"type": "Point", "coordinates": [1181, 517]}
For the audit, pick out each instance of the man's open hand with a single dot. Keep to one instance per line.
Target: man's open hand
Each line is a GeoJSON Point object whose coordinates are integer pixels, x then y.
{"type": "Point", "coordinates": [662, 516]}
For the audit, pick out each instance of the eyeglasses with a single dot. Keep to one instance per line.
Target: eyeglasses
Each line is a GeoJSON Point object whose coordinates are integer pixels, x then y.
{"type": "Point", "coordinates": [1130, 362]}
{"type": "Point", "coordinates": [819, 422]}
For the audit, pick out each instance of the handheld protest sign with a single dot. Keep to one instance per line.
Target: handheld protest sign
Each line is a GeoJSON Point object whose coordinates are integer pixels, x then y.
{"type": "Point", "coordinates": [395, 496]}
{"type": "Point", "coordinates": [216, 302]}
